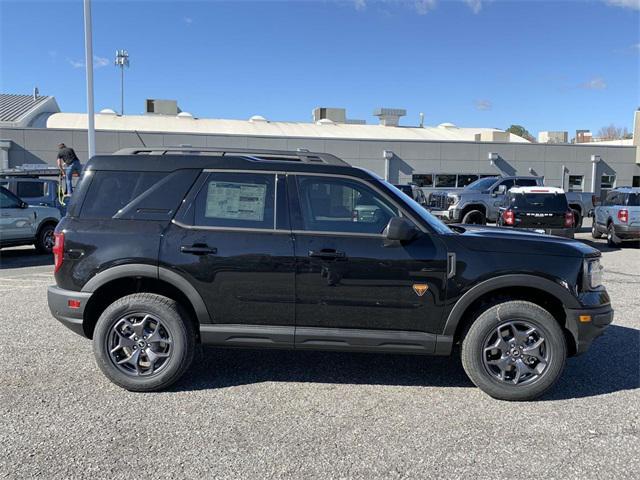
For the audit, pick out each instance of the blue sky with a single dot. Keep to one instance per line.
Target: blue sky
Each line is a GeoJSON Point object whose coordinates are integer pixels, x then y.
{"type": "Point", "coordinates": [545, 65]}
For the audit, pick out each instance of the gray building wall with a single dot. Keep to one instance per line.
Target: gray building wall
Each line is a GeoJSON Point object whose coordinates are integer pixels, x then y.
{"type": "Point", "coordinates": [39, 146]}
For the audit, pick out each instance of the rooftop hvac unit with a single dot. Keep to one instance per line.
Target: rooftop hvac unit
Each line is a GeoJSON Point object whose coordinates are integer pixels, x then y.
{"type": "Point", "coordinates": [162, 107]}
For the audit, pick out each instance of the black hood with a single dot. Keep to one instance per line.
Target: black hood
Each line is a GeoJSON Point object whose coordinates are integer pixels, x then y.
{"type": "Point", "coordinates": [509, 240]}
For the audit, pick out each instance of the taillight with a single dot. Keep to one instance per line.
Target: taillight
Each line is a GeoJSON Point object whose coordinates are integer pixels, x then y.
{"type": "Point", "coordinates": [623, 215]}
{"type": "Point", "coordinates": [568, 219]}
{"type": "Point", "coordinates": [58, 251]}
{"type": "Point", "coordinates": [509, 217]}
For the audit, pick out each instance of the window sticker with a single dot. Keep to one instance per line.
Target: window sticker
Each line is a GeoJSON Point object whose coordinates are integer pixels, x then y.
{"type": "Point", "coordinates": [234, 200]}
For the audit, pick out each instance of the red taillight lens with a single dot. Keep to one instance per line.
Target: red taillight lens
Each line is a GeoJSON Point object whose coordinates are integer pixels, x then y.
{"type": "Point", "coordinates": [58, 251]}
{"type": "Point", "coordinates": [623, 215]}
{"type": "Point", "coordinates": [509, 217]}
{"type": "Point", "coordinates": [568, 219]}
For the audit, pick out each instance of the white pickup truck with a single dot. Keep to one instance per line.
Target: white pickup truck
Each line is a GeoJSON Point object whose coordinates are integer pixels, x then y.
{"type": "Point", "coordinates": [480, 201]}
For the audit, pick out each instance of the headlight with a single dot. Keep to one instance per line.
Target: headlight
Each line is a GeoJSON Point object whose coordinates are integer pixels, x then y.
{"type": "Point", "coordinates": [592, 274]}
{"type": "Point", "coordinates": [452, 199]}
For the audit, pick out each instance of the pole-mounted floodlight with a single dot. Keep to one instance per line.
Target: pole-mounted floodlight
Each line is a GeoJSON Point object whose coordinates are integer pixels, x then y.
{"type": "Point", "coordinates": [122, 61]}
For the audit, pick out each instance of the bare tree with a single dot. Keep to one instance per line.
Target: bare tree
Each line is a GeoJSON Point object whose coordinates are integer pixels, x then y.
{"type": "Point", "coordinates": [612, 132]}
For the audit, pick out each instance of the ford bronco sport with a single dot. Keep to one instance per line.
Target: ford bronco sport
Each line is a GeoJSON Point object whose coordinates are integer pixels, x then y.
{"type": "Point", "coordinates": [162, 249]}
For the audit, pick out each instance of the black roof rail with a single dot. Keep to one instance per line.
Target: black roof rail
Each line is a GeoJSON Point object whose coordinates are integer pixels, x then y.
{"type": "Point", "coordinates": [299, 155]}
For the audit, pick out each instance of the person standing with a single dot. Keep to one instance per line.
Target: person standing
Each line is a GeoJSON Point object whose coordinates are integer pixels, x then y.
{"type": "Point", "coordinates": [68, 163]}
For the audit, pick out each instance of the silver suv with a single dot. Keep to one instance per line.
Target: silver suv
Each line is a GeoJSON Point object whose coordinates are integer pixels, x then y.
{"type": "Point", "coordinates": [618, 217]}
{"type": "Point", "coordinates": [24, 224]}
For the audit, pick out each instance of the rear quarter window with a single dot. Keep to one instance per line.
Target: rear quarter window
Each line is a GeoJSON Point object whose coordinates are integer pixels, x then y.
{"type": "Point", "coordinates": [111, 191]}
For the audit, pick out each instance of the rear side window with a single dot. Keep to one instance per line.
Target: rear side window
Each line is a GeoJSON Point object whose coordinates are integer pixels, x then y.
{"type": "Point", "coordinates": [31, 189]}
{"type": "Point", "coordinates": [633, 200]}
{"type": "Point", "coordinates": [236, 200]}
{"type": "Point", "coordinates": [526, 182]}
{"type": "Point", "coordinates": [111, 191]}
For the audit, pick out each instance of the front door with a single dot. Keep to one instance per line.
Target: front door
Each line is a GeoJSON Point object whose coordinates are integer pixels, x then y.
{"type": "Point", "coordinates": [16, 223]}
{"type": "Point", "coordinates": [346, 278]}
{"type": "Point", "coordinates": [233, 244]}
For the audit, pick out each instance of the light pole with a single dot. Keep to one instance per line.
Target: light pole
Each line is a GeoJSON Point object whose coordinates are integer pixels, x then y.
{"type": "Point", "coordinates": [88, 60]}
{"type": "Point", "coordinates": [122, 60]}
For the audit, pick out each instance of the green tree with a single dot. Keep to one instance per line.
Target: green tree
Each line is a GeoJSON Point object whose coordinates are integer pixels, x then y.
{"type": "Point", "coordinates": [520, 131]}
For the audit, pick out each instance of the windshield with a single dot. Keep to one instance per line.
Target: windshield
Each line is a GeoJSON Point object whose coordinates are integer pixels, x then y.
{"type": "Point", "coordinates": [418, 209]}
{"type": "Point", "coordinates": [540, 202]}
{"type": "Point", "coordinates": [482, 184]}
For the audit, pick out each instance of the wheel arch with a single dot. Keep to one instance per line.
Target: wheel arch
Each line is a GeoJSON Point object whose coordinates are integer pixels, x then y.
{"type": "Point", "coordinates": [474, 206]}
{"type": "Point", "coordinates": [116, 282]}
{"type": "Point", "coordinates": [47, 221]}
{"type": "Point", "coordinates": [547, 293]}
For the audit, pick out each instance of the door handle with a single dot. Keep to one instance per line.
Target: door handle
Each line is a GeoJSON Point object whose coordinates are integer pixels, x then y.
{"type": "Point", "coordinates": [327, 254]}
{"type": "Point", "coordinates": [198, 249]}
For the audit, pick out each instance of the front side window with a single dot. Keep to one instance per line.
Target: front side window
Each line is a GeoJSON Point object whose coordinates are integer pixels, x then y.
{"type": "Point", "coordinates": [8, 200]}
{"type": "Point", "coordinates": [236, 200]}
{"type": "Point", "coordinates": [331, 204]}
{"type": "Point", "coordinates": [507, 183]}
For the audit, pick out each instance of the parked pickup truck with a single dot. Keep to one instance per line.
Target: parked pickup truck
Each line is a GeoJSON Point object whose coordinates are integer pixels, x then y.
{"type": "Point", "coordinates": [34, 190]}
{"type": "Point", "coordinates": [480, 201]}
{"type": "Point", "coordinates": [24, 224]}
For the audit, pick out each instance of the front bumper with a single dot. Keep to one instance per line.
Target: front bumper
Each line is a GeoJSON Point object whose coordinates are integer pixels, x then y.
{"type": "Point", "coordinates": [71, 317]}
{"type": "Point", "coordinates": [586, 331]}
{"type": "Point", "coordinates": [450, 215]}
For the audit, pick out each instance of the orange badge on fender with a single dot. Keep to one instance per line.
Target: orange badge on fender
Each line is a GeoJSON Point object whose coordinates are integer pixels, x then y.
{"type": "Point", "coordinates": [420, 288]}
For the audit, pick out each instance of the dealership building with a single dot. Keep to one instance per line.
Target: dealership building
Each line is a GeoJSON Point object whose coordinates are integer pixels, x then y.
{"type": "Point", "coordinates": [442, 156]}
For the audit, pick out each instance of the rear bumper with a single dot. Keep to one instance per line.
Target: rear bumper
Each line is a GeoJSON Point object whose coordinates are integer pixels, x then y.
{"type": "Point", "coordinates": [585, 332]}
{"type": "Point", "coordinates": [72, 318]}
{"type": "Point", "coordinates": [627, 232]}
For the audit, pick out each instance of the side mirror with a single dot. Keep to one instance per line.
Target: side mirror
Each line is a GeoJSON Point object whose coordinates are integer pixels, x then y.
{"type": "Point", "coordinates": [501, 190]}
{"type": "Point", "coordinates": [24, 205]}
{"type": "Point", "coordinates": [399, 230]}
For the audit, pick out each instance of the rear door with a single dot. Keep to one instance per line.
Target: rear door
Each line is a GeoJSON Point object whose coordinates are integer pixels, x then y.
{"type": "Point", "coordinates": [16, 223]}
{"type": "Point", "coordinates": [352, 291]}
{"type": "Point", "coordinates": [233, 243]}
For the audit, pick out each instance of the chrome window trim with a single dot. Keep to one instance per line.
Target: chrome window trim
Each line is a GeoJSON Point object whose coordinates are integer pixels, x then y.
{"type": "Point", "coordinates": [229, 229]}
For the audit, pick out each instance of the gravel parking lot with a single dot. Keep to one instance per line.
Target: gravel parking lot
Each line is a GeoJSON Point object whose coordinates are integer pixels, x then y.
{"type": "Point", "coordinates": [255, 414]}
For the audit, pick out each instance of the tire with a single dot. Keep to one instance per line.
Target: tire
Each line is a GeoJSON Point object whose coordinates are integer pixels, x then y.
{"type": "Point", "coordinates": [612, 239]}
{"type": "Point", "coordinates": [502, 318]}
{"type": "Point", "coordinates": [172, 350]}
{"type": "Point", "coordinates": [45, 239]}
{"type": "Point", "coordinates": [595, 233]}
{"type": "Point", "coordinates": [577, 219]}
{"type": "Point", "coordinates": [474, 217]}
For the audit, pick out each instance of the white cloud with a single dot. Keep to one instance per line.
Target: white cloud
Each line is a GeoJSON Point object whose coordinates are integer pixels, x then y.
{"type": "Point", "coordinates": [360, 4]}
{"type": "Point", "coordinates": [98, 62]}
{"type": "Point", "coordinates": [633, 4]}
{"type": "Point", "coordinates": [424, 6]}
{"type": "Point", "coordinates": [483, 105]}
{"type": "Point", "coordinates": [474, 5]}
{"type": "Point", "coordinates": [596, 83]}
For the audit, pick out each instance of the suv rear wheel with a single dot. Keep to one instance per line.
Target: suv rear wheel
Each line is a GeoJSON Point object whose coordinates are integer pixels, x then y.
{"type": "Point", "coordinates": [45, 239]}
{"type": "Point", "coordinates": [144, 342]}
{"type": "Point", "coordinates": [514, 351]}
{"type": "Point", "coordinates": [595, 233]}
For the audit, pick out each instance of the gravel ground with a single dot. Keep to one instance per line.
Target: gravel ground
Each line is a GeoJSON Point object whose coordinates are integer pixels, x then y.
{"type": "Point", "coordinates": [256, 414]}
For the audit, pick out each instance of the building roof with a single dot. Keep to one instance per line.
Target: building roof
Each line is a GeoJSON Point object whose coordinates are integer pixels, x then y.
{"type": "Point", "coordinates": [328, 129]}
{"type": "Point", "coordinates": [20, 110]}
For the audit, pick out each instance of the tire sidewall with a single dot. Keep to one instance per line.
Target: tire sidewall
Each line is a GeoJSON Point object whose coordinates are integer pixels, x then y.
{"type": "Point", "coordinates": [169, 313]}
{"type": "Point", "coordinates": [40, 239]}
{"type": "Point", "coordinates": [473, 350]}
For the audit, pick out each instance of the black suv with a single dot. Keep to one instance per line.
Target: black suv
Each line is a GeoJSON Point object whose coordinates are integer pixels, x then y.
{"type": "Point", "coordinates": [161, 250]}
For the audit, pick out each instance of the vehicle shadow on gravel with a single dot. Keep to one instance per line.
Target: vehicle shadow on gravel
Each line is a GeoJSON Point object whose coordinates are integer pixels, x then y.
{"type": "Point", "coordinates": [603, 247]}
{"type": "Point", "coordinates": [220, 368]}
{"type": "Point", "coordinates": [609, 366]}
{"type": "Point", "coordinates": [21, 257]}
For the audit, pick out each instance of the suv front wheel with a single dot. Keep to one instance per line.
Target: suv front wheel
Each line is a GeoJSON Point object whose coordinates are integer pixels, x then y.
{"type": "Point", "coordinates": [514, 351]}
{"type": "Point", "coordinates": [144, 342]}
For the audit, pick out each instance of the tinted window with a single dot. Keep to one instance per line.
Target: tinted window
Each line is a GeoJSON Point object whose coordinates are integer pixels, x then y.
{"type": "Point", "coordinates": [8, 200]}
{"type": "Point", "coordinates": [30, 189]}
{"type": "Point", "coordinates": [611, 198]}
{"type": "Point", "coordinates": [540, 202]}
{"type": "Point", "coordinates": [507, 183]}
{"type": "Point", "coordinates": [482, 184]}
{"type": "Point", "coordinates": [423, 180]}
{"type": "Point", "coordinates": [526, 182]}
{"type": "Point", "coordinates": [236, 200]}
{"type": "Point", "coordinates": [111, 191]}
{"type": "Point", "coordinates": [342, 205]}
{"type": "Point", "coordinates": [633, 200]}
{"type": "Point", "coordinates": [466, 179]}
{"type": "Point", "coordinates": [445, 181]}
{"type": "Point", "coordinates": [636, 181]}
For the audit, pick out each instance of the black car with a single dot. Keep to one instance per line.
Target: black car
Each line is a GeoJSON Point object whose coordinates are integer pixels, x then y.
{"type": "Point", "coordinates": [296, 250]}
{"type": "Point", "coordinates": [543, 209]}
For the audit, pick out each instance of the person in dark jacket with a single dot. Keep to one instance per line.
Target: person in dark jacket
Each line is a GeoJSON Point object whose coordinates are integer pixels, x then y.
{"type": "Point", "coordinates": [68, 163]}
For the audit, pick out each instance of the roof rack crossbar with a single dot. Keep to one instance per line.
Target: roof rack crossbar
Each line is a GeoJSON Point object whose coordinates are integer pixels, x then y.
{"type": "Point", "coordinates": [300, 155]}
